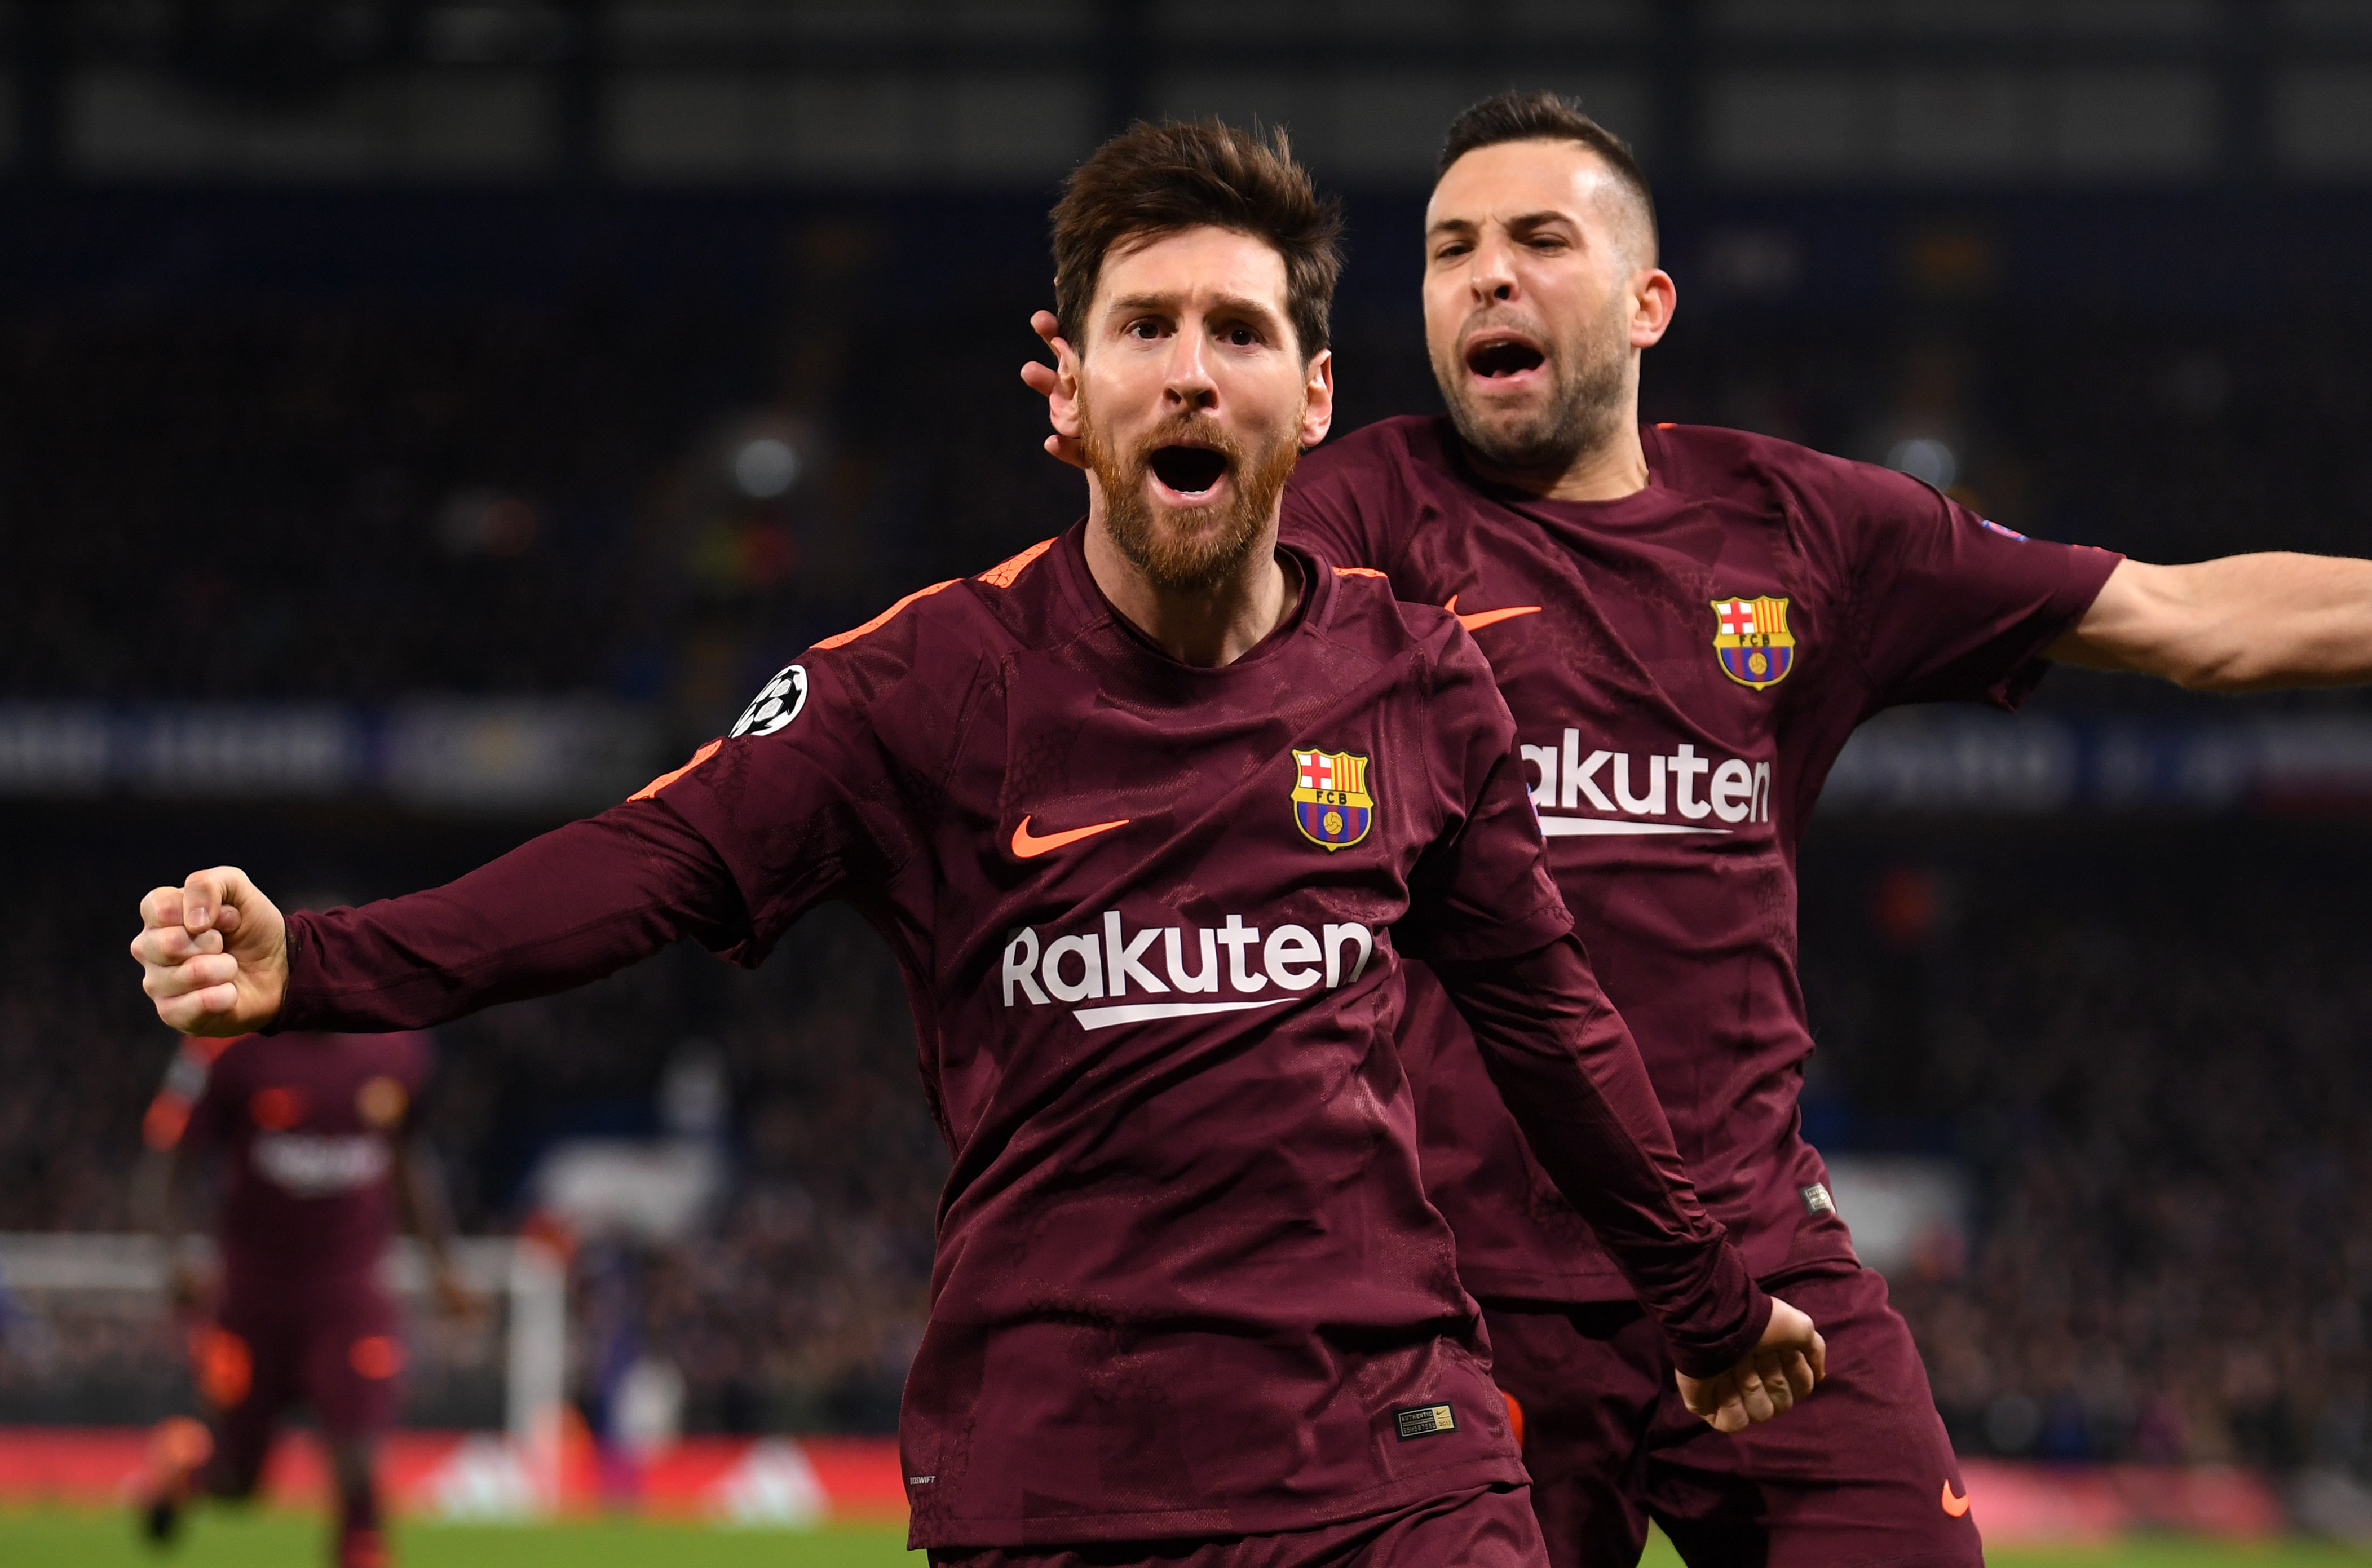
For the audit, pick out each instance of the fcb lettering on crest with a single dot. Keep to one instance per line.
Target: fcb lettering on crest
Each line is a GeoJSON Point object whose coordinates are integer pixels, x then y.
{"type": "Point", "coordinates": [1751, 639]}
{"type": "Point", "coordinates": [1331, 802]}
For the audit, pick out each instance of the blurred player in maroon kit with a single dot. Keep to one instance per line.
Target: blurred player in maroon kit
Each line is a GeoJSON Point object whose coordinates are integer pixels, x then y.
{"type": "Point", "coordinates": [313, 1131]}
{"type": "Point", "coordinates": [1687, 624]}
{"type": "Point", "coordinates": [1147, 814]}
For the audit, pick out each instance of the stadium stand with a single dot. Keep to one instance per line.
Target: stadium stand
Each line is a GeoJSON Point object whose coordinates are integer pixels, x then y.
{"type": "Point", "coordinates": [2152, 1071]}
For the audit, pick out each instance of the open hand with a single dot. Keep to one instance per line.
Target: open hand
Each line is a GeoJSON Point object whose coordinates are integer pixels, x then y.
{"type": "Point", "coordinates": [1040, 379]}
{"type": "Point", "coordinates": [1767, 1381]}
{"type": "Point", "coordinates": [213, 954]}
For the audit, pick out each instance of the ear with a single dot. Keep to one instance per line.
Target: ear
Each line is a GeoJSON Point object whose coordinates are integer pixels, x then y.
{"type": "Point", "coordinates": [1654, 298]}
{"type": "Point", "coordinates": [1063, 402]}
{"type": "Point", "coordinates": [1318, 405]}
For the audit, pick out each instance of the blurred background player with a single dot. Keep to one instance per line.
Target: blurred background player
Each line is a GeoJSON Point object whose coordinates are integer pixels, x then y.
{"type": "Point", "coordinates": [1687, 623]}
{"type": "Point", "coordinates": [314, 1134]}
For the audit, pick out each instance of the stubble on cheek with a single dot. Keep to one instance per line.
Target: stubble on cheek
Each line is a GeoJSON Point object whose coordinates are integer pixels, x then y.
{"type": "Point", "coordinates": [1578, 411]}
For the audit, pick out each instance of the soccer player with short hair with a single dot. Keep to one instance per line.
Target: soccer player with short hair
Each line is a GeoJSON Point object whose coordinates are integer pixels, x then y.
{"type": "Point", "coordinates": [1148, 813]}
{"type": "Point", "coordinates": [1687, 624]}
{"type": "Point", "coordinates": [314, 1131]}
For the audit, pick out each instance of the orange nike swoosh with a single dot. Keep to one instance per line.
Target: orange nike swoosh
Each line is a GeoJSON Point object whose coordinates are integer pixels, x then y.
{"type": "Point", "coordinates": [1482, 618]}
{"type": "Point", "coordinates": [1027, 845]}
{"type": "Point", "coordinates": [1955, 1507]}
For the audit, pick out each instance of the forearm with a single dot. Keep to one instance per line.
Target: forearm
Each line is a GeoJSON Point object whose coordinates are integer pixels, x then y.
{"type": "Point", "coordinates": [421, 1196]}
{"type": "Point", "coordinates": [2241, 623]}
{"type": "Point", "coordinates": [574, 905]}
{"type": "Point", "coordinates": [1570, 1073]}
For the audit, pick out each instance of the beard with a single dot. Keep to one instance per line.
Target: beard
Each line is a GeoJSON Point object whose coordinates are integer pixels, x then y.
{"type": "Point", "coordinates": [1588, 398]}
{"type": "Point", "coordinates": [1187, 548]}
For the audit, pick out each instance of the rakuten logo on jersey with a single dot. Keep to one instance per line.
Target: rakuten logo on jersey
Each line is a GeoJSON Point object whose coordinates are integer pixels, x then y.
{"type": "Point", "coordinates": [1713, 792]}
{"type": "Point", "coordinates": [1163, 960]}
{"type": "Point", "coordinates": [314, 1165]}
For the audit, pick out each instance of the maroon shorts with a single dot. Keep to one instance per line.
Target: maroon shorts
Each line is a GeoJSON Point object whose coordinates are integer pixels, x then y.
{"type": "Point", "coordinates": [340, 1358]}
{"type": "Point", "coordinates": [1859, 1473]}
{"type": "Point", "coordinates": [1490, 1527]}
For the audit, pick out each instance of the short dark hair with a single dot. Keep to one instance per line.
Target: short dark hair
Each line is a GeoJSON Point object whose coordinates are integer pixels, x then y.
{"type": "Point", "coordinates": [1514, 116]}
{"type": "Point", "coordinates": [1156, 179]}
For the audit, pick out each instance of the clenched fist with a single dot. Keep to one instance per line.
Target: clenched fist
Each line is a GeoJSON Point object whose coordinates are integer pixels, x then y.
{"type": "Point", "coordinates": [213, 954]}
{"type": "Point", "coordinates": [1768, 1380]}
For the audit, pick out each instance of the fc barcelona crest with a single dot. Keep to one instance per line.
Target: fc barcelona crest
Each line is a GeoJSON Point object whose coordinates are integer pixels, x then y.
{"type": "Point", "coordinates": [1331, 802]}
{"type": "Point", "coordinates": [1751, 639]}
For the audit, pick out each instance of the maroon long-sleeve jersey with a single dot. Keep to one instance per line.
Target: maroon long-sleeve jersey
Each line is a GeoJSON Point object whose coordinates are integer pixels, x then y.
{"type": "Point", "coordinates": [1684, 666]}
{"type": "Point", "coordinates": [1151, 918]}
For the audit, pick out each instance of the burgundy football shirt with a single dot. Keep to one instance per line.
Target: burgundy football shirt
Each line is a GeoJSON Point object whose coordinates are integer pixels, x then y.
{"type": "Point", "coordinates": [1683, 666]}
{"type": "Point", "coordinates": [1151, 918]}
{"type": "Point", "coordinates": [305, 1122]}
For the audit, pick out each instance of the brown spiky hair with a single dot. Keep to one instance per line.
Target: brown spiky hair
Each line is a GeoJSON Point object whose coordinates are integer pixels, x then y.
{"type": "Point", "coordinates": [1152, 181]}
{"type": "Point", "coordinates": [1545, 117]}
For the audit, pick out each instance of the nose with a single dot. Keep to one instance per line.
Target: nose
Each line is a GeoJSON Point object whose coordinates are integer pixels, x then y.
{"type": "Point", "coordinates": [1493, 275]}
{"type": "Point", "coordinates": [1188, 383]}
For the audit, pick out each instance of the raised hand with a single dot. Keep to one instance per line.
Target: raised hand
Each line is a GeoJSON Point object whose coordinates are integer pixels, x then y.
{"type": "Point", "coordinates": [1767, 1381]}
{"type": "Point", "coordinates": [1041, 380]}
{"type": "Point", "coordinates": [213, 954]}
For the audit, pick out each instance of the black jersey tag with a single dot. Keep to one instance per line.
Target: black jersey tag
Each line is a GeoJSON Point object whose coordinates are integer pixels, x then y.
{"type": "Point", "coordinates": [1424, 1421]}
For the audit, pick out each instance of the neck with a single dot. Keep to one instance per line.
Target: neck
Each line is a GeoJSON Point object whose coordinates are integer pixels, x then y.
{"type": "Point", "coordinates": [1607, 470]}
{"type": "Point", "coordinates": [1209, 627]}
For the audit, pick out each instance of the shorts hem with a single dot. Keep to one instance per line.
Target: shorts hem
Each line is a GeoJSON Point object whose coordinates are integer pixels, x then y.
{"type": "Point", "coordinates": [1212, 1524]}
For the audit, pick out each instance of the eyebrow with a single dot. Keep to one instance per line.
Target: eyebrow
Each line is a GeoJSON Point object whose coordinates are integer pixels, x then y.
{"type": "Point", "coordinates": [1522, 220]}
{"type": "Point", "coordinates": [1222, 303]}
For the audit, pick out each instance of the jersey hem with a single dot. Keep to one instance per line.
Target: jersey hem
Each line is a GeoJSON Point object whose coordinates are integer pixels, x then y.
{"type": "Point", "coordinates": [1193, 1523]}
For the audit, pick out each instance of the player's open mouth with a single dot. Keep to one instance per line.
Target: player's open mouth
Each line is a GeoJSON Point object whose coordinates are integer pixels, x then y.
{"type": "Point", "coordinates": [1188, 472]}
{"type": "Point", "coordinates": [1498, 358]}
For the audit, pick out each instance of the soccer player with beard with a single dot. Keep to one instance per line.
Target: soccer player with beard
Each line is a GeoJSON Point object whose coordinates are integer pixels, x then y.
{"type": "Point", "coordinates": [1687, 624]}
{"type": "Point", "coordinates": [1148, 813]}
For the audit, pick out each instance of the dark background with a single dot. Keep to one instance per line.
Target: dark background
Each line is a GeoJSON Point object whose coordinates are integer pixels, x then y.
{"type": "Point", "coordinates": [356, 354]}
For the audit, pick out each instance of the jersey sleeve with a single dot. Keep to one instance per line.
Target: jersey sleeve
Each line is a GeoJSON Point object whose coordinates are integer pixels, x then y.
{"type": "Point", "coordinates": [1483, 889]}
{"type": "Point", "coordinates": [1946, 606]}
{"type": "Point", "coordinates": [829, 784]}
{"type": "Point", "coordinates": [1571, 1076]}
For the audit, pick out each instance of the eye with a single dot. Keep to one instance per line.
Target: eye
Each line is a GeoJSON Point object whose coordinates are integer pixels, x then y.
{"type": "Point", "coordinates": [1145, 328]}
{"type": "Point", "coordinates": [1240, 337]}
{"type": "Point", "coordinates": [1451, 251]}
{"type": "Point", "coordinates": [1547, 242]}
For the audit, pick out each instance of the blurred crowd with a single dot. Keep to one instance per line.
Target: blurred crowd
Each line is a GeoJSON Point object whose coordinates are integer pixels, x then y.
{"type": "Point", "coordinates": [2153, 1071]}
{"type": "Point", "coordinates": [2158, 1099]}
{"type": "Point", "coordinates": [2159, 1095]}
{"type": "Point", "coordinates": [349, 502]}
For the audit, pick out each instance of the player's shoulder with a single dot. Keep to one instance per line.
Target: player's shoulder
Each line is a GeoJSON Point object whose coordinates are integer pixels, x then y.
{"type": "Point", "coordinates": [938, 630]}
{"type": "Point", "coordinates": [1367, 613]}
{"type": "Point", "coordinates": [1716, 462]}
{"type": "Point", "coordinates": [1404, 452]}
{"type": "Point", "coordinates": [226, 1057]}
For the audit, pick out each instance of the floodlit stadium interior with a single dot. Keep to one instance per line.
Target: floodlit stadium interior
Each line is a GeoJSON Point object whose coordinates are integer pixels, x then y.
{"type": "Point", "coordinates": [421, 423]}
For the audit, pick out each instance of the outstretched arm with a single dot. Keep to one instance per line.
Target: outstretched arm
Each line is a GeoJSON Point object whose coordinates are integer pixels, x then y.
{"type": "Point", "coordinates": [571, 906]}
{"type": "Point", "coordinates": [2241, 623]}
{"type": "Point", "coordinates": [1568, 1069]}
